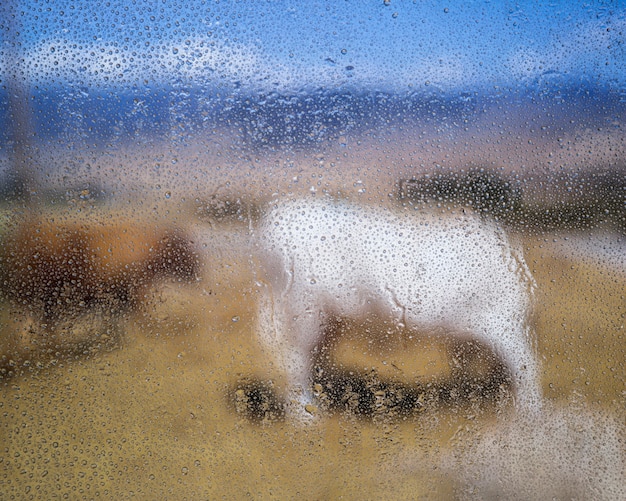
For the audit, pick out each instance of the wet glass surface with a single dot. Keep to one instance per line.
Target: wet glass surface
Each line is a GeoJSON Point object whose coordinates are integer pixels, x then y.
{"type": "Point", "coordinates": [311, 250]}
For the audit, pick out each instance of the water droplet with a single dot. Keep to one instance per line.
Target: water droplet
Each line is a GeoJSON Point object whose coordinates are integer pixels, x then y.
{"type": "Point", "coordinates": [344, 51]}
{"type": "Point", "coordinates": [184, 470]}
{"type": "Point", "coordinates": [235, 318]}
{"type": "Point", "coordinates": [310, 409]}
{"type": "Point", "coordinates": [446, 10]}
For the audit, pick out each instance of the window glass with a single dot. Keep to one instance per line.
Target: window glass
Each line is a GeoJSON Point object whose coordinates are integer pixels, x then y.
{"type": "Point", "coordinates": [312, 249]}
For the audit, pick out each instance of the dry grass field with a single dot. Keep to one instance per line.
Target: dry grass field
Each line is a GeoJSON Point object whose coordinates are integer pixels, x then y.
{"type": "Point", "coordinates": [183, 407]}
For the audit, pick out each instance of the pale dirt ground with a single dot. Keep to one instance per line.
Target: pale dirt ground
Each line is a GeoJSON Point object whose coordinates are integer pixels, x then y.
{"type": "Point", "coordinates": [158, 415]}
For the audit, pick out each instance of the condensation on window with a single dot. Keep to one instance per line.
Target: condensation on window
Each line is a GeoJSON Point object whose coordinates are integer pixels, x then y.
{"type": "Point", "coordinates": [312, 250]}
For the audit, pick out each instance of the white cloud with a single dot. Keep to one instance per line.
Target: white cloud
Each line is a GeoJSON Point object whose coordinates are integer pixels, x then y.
{"type": "Point", "coordinates": [594, 49]}
{"type": "Point", "coordinates": [114, 63]}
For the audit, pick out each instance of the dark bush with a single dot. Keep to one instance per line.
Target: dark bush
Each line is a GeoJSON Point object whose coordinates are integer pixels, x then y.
{"type": "Point", "coordinates": [484, 190]}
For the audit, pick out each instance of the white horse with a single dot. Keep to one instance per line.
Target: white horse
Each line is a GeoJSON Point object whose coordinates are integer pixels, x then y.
{"type": "Point", "coordinates": [324, 258]}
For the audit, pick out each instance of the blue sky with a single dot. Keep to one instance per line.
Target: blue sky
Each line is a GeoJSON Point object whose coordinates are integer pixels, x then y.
{"type": "Point", "coordinates": [288, 45]}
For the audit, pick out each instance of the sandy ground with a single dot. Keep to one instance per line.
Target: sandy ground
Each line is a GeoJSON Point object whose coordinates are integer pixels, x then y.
{"type": "Point", "coordinates": [183, 406]}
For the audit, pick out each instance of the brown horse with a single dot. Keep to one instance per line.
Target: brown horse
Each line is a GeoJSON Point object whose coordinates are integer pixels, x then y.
{"type": "Point", "coordinates": [59, 272]}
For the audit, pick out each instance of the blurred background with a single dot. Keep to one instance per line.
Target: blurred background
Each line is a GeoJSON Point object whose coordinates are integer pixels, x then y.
{"type": "Point", "coordinates": [189, 97]}
{"type": "Point", "coordinates": [179, 122]}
